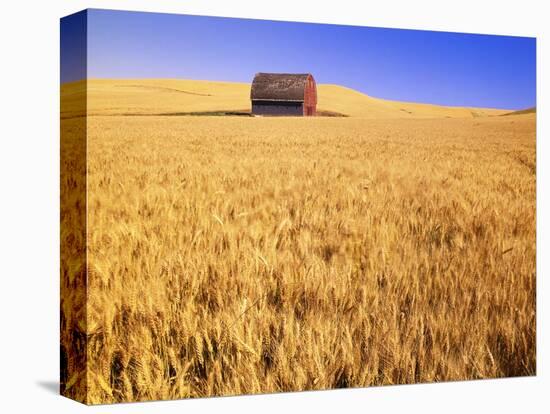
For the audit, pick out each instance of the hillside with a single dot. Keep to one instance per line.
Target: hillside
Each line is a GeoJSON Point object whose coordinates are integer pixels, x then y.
{"type": "Point", "coordinates": [353, 103]}
{"type": "Point", "coordinates": [532, 110]}
{"type": "Point", "coordinates": [171, 96]}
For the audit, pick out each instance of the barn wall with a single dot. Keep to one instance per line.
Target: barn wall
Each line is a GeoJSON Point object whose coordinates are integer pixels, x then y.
{"type": "Point", "coordinates": [277, 108]}
{"type": "Point", "coordinates": [310, 92]}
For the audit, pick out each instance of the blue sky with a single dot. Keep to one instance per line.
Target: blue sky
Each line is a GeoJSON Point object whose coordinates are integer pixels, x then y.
{"type": "Point", "coordinates": [407, 65]}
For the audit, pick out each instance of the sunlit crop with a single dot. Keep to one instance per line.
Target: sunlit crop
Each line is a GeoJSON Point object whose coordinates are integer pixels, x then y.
{"type": "Point", "coordinates": [231, 255]}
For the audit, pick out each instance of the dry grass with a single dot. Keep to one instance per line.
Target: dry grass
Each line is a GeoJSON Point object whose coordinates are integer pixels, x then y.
{"type": "Point", "coordinates": [236, 255]}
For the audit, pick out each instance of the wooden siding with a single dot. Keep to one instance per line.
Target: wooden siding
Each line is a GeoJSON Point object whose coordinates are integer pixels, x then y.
{"type": "Point", "coordinates": [277, 108]}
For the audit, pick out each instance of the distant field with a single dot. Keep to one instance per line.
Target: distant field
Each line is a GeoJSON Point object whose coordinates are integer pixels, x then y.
{"type": "Point", "coordinates": [523, 111]}
{"type": "Point", "coordinates": [232, 255]}
{"type": "Point", "coordinates": [123, 97]}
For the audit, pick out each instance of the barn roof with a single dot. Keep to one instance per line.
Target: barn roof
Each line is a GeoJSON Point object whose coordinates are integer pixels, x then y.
{"type": "Point", "coordinates": [279, 86]}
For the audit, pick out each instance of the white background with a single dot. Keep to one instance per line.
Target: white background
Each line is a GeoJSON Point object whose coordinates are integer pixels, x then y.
{"type": "Point", "coordinates": [29, 204]}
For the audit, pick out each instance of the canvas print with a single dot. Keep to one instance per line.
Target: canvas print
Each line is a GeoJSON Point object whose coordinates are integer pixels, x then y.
{"type": "Point", "coordinates": [255, 206]}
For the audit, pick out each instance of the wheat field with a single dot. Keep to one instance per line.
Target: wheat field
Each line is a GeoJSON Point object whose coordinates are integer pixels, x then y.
{"type": "Point", "coordinates": [237, 255]}
{"type": "Point", "coordinates": [177, 97]}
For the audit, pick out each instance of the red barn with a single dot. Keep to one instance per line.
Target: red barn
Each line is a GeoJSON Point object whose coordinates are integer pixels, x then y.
{"type": "Point", "coordinates": [284, 94]}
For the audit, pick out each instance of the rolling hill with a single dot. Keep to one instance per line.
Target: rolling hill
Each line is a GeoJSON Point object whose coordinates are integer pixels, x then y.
{"type": "Point", "coordinates": [532, 110]}
{"type": "Point", "coordinates": [172, 96]}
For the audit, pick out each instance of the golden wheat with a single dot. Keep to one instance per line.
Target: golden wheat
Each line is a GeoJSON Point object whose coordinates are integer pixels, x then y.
{"type": "Point", "coordinates": [233, 255]}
